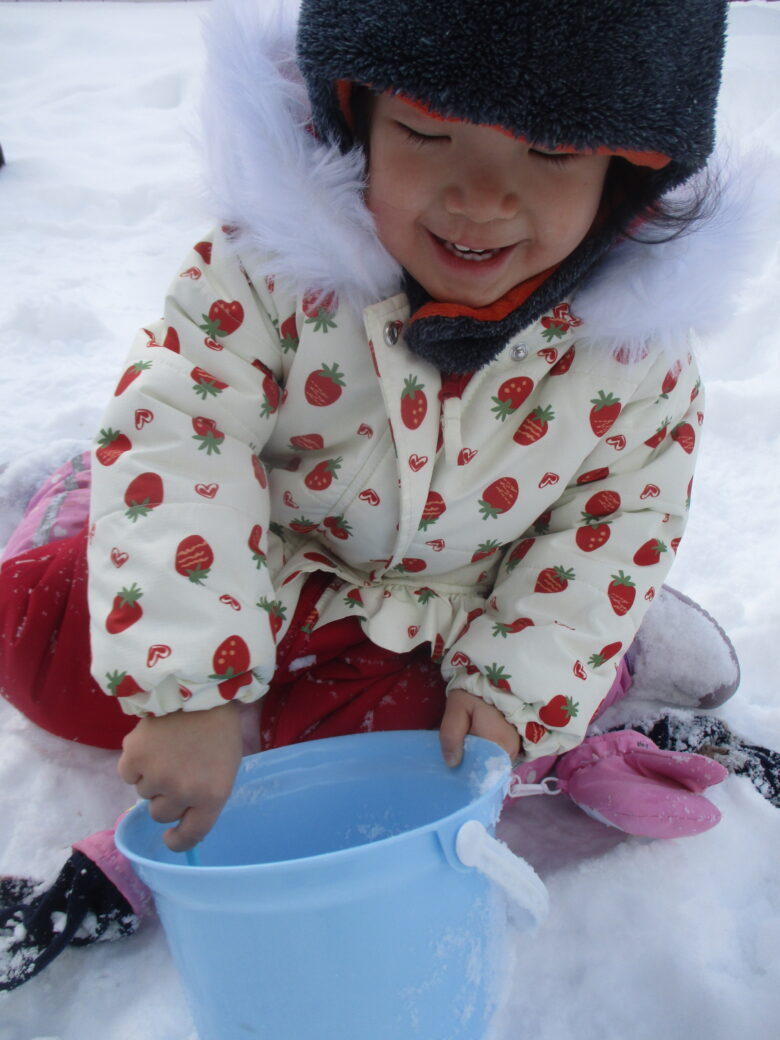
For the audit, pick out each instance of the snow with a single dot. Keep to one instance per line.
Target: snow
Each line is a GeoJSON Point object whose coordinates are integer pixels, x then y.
{"type": "Point", "coordinates": [98, 203]}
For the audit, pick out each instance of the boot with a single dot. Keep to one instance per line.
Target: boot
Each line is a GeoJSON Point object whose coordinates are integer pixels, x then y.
{"type": "Point", "coordinates": [681, 656]}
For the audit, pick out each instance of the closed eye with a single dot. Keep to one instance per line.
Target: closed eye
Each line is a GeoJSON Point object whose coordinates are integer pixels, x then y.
{"type": "Point", "coordinates": [554, 157]}
{"type": "Point", "coordinates": [419, 138]}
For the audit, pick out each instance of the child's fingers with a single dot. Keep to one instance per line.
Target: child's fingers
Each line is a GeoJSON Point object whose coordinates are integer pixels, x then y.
{"type": "Point", "coordinates": [194, 825]}
{"type": "Point", "coordinates": [454, 727]}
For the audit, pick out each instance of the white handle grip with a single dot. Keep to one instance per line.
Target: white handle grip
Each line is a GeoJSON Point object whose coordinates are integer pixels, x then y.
{"type": "Point", "coordinates": [525, 889]}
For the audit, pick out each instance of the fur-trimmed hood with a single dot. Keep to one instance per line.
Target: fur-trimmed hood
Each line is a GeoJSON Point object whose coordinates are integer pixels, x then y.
{"type": "Point", "coordinates": [298, 203]}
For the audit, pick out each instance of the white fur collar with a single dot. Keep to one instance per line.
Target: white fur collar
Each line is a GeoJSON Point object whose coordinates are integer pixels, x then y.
{"type": "Point", "coordinates": [300, 211]}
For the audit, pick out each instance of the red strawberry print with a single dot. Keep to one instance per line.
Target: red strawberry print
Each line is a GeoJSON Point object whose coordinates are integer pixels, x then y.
{"type": "Point", "coordinates": [593, 475]}
{"type": "Point", "coordinates": [259, 472]}
{"type": "Point", "coordinates": [658, 436]}
{"type": "Point", "coordinates": [319, 309]}
{"type": "Point", "coordinates": [670, 379]}
{"type": "Point", "coordinates": [121, 684]}
{"type": "Point", "coordinates": [683, 434]}
{"type": "Point", "coordinates": [130, 375]}
{"type": "Point", "coordinates": [511, 394]}
{"type": "Point", "coordinates": [559, 711]}
{"type": "Point", "coordinates": [203, 249]}
{"type": "Point", "coordinates": [560, 368]}
{"type": "Point", "coordinates": [223, 318]}
{"type": "Point", "coordinates": [438, 649]}
{"type": "Point", "coordinates": [307, 442]}
{"type": "Point", "coordinates": [144, 493]}
{"type": "Point", "coordinates": [276, 612]}
{"type": "Point", "coordinates": [125, 610]}
{"type": "Point", "coordinates": [649, 553]}
{"type": "Point", "coordinates": [502, 629]}
{"type": "Point", "coordinates": [534, 732]}
{"type": "Point", "coordinates": [206, 385]}
{"type": "Point", "coordinates": [194, 557]}
{"type": "Point", "coordinates": [411, 565]}
{"type": "Point", "coordinates": [519, 552]}
{"type": "Point", "coordinates": [602, 504]}
{"type": "Point", "coordinates": [497, 676]}
{"type": "Point", "coordinates": [272, 392]}
{"type": "Point", "coordinates": [433, 509]}
{"type": "Point", "coordinates": [592, 535]}
{"type": "Point", "coordinates": [302, 525]}
{"type": "Point", "coordinates": [171, 340]}
{"type": "Point", "coordinates": [675, 544]}
{"type": "Point", "coordinates": [324, 385]}
{"type": "Point", "coordinates": [485, 549]}
{"type": "Point", "coordinates": [553, 579]}
{"type": "Point", "coordinates": [414, 403]}
{"type": "Point", "coordinates": [425, 595]}
{"type": "Point", "coordinates": [321, 477]}
{"type": "Point", "coordinates": [606, 652]}
{"type": "Point", "coordinates": [606, 408]}
{"type": "Point", "coordinates": [231, 667]}
{"type": "Point", "coordinates": [288, 334]}
{"type": "Point", "coordinates": [338, 527]}
{"type": "Point", "coordinates": [534, 426]}
{"type": "Point", "coordinates": [353, 598]}
{"type": "Point", "coordinates": [498, 497]}
{"type": "Point", "coordinates": [208, 435]}
{"type": "Point", "coordinates": [111, 446]}
{"type": "Point", "coordinates": [622, 593]}
{"type": "Point", "coordinates": [318, 557]}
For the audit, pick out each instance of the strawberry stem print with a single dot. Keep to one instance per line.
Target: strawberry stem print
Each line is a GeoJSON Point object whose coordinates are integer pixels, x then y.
{"type": "Point", "coordinates": [144, 493]}
{"type": "Point", "coordinates": [433, 509]}
{"type": "Point", "coordinates": [194, 557]}
{"type": "Point", "coordinates": [338, 527]}
{"type": "Point", "coordinates": [288, 335]}
{"type": "Point", "coordinates": [223, 318]}
{"type": "Point", "coordinates": [208, 435]}
{"type": "Point", "coordinates": [553, 579]}
{"type": "Point", "coordinates": [231, 667]}
{"type": "Point", "coordinates": [205, 384]}
{"type": "Point", "coordinates": [414, 403]}
{"type": "Point", "coordinates": [559, 711]}
{"type": "Point", "coordinates": [485, 549]}
{"type": "Point", "coordinates": [319, 309]}
{"type": "Point", "coordinates": [498, 497]}
{"type": "Point", "coordinates": [254, 543]}
{"type": "Point", "coordinates": [125, 610]}
{"type": "Point", "coordinates": [511, 394]}
{"type": "Point", "coordinates": [622, 593]}
{"type": "Point", "coordinates": [120, 684]}
{"type": "Point", "coordinates": [324, 385]}
{"type": "Point", "coordinates": [534, 426]}
{"type": "Point", "coordinates": [502, 629]}
{"type": "Point", "coordinates": [497, 676]}
{"type": "Point", "coordinates": [321, 477]}
{"type": "Point", "coordinates": [130, 375]}
{"type": "Point", "coordinates": [111, 446]}
{"type": "Point", "coordinates": [276, 613]}
{"type": "Point", "coordinates": [649, 553]}
{"type": "Point", "coordinates": [606, 408]}
{"type": "Point", "coordinates": [604, 655]}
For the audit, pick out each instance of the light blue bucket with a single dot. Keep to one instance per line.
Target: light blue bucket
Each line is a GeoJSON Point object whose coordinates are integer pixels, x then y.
{"type": "Point", "coordinates": [332, 899]}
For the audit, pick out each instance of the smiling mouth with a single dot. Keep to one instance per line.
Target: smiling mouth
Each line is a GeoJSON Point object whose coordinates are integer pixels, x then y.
{"type": "Point", "coordinates": [469, 253]}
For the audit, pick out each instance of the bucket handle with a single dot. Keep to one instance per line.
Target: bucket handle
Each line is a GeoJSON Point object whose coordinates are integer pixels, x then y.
{"type": "Point", "coordinates": [526, 891]}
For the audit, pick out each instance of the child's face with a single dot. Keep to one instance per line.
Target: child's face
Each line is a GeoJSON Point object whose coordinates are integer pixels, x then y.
{"type": "Point", "coordinates": [434, 185]}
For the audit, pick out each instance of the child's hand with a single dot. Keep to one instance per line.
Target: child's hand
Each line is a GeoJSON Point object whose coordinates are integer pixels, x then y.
{"type": "Point", "coordinates": [185, 764]}
{"type": "Point", "coordinates": [466, 713]}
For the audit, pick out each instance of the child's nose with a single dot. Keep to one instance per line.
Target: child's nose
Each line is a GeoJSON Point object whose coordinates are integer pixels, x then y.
{"type": "Point", "coordinates": [482, 194]}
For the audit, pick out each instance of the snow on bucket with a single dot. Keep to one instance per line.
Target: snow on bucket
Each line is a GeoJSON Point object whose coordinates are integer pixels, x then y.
{"type": "Point", "coordinates": [345, 893]}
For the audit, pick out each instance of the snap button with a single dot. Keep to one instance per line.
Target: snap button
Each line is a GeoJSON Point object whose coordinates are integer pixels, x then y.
{"type": "Point", "coordinates": [392, 332]}
{"type": "Point", "coordinates": [519, 352]}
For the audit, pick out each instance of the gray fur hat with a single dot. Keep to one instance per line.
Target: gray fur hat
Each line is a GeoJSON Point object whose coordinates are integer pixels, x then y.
{"type": "Point", "coordinates": [628, 76]}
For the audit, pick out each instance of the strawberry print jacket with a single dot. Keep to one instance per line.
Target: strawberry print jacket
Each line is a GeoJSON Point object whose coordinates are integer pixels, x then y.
{"type": "Point", "coordinates": [519, 521]}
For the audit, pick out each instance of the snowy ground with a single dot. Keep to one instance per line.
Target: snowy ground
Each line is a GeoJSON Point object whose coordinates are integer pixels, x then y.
{"type": "Point", "coordinates": [97, 204]}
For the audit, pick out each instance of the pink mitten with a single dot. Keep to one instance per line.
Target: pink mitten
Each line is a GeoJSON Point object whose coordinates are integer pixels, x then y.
{"type": "Point", "coordinates": [624, 780]}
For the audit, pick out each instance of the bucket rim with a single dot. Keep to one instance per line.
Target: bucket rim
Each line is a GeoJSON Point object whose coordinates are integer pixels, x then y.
{"type": "Point", "coordinates": [441, 826]}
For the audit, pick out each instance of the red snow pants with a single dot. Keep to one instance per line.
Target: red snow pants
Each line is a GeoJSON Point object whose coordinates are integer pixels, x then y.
{"type": "Point", "coordinates": [350, 685]}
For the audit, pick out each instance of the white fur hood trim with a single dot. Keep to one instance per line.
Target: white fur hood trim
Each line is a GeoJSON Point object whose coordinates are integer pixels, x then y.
{"type": "Point", "coordinates": [299, 204]}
